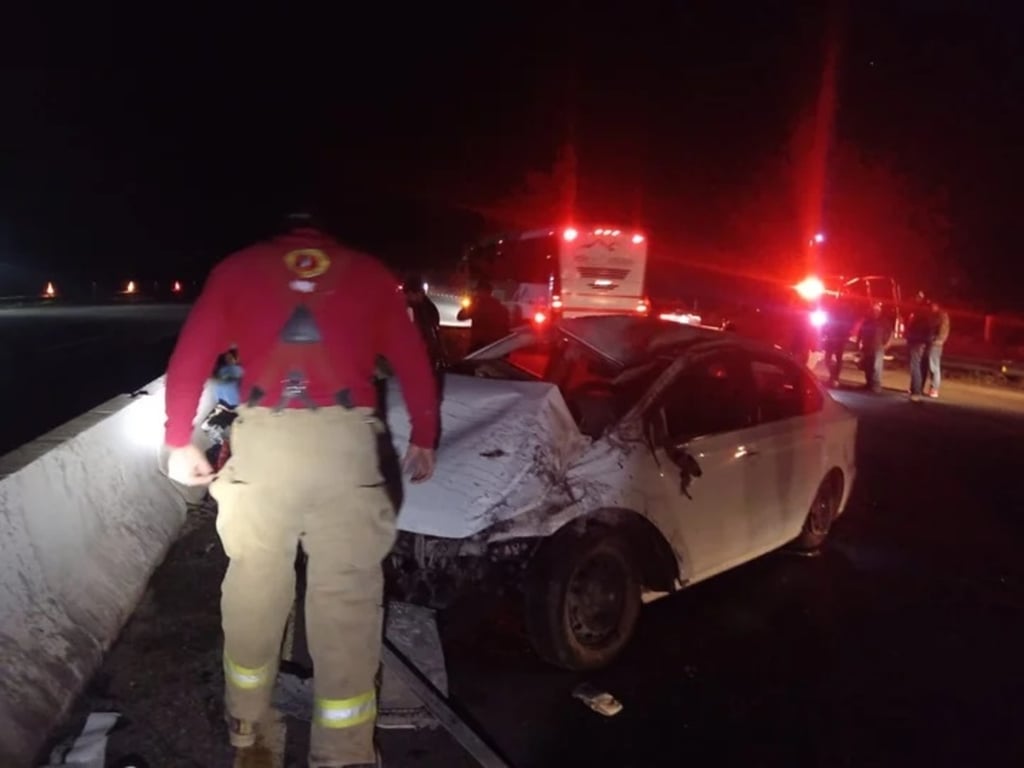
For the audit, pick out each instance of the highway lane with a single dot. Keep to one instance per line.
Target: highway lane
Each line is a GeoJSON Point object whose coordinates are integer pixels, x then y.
{"type": "Point", "coordinates": [59, 361]}
{"type": "Point", "coordinates": [900, 645]}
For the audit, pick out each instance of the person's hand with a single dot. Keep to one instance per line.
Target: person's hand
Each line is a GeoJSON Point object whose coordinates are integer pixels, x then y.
{"type": "Point", "coordinates": [187, 465]}
{"type": "Point", "coordinates": [419, 463]}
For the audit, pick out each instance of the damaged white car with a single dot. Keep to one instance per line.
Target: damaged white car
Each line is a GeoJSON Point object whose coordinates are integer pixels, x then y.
{"type": "Point", "coordinates": [610, 460]}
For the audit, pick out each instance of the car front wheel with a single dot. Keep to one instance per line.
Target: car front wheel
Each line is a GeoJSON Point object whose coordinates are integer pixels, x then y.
{"type": "Point", "coordinates": [582, 598]}
{"type": "Point", "coordinates": [821, 515]}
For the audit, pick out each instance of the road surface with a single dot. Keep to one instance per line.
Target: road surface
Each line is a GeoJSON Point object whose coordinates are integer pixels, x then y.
{"type": "Point", "coordinates": [900, 645]}
{"type": "Point", "coordinates": [59, 361]}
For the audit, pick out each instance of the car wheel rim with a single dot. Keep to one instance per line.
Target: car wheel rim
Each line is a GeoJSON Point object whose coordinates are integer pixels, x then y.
{"type": "Point", "coordinates": [820, 518]}
{"type": "Point", "coordinates": [596, 600]}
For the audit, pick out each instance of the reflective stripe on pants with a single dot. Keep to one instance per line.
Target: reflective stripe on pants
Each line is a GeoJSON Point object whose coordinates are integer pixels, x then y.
{"type": "Point", "coordinates": [346, 713]}
{"type": "Point", "coordinates": [246, 678]}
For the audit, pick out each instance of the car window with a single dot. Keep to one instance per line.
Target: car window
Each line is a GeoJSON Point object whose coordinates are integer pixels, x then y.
{"type": "Point", "coordinates": [783, 390]}
{"type": "Point", "coordinates": [532, 359]}
{"type": "Point", "coordinates": [711, 396]}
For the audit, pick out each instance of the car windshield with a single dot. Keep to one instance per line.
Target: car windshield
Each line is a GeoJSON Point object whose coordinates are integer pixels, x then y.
{"type": "Point", "coordinates": [597, 392]}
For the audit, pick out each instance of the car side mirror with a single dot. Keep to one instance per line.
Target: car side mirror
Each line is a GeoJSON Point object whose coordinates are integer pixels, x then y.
{"type": "Point", "coordinates": [689, 469]}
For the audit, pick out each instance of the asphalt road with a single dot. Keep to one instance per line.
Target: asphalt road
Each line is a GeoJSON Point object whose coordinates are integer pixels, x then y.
{"type": "Point", "coordinates": [899, 645]}
{"type": "Point", "coordinates": [59, 361]}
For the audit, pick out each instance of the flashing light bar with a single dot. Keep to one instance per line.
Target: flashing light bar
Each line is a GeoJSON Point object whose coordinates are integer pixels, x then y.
{"type": "Point", "coordinates": [810, 288]}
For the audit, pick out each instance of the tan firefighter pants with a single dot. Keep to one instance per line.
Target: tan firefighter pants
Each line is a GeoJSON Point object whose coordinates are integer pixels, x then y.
{"type": "Point", "coordinates": [309, 477]}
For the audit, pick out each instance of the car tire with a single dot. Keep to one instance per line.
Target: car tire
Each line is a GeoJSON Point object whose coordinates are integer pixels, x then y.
{"type": "Point", "coordinates": [582, 598]}
{"type": "Point", "coordinates": [821, 515]}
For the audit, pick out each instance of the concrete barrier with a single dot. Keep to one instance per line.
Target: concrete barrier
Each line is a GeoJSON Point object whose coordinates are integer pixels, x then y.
{"type": "Point", "coordinates": [85, 518]}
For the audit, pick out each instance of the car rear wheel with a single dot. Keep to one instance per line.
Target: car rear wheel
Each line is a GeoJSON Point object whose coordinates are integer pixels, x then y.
{"type": "Point", "coordinates": [821, 515]}
{"type": "Point", "coordinates": [582, 598]}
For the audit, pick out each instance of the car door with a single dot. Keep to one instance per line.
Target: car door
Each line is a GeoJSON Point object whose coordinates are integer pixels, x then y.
{"type": "Point", "coordinates": [788, 439]}
{"type": "Point", "coordinates": [707, 411]}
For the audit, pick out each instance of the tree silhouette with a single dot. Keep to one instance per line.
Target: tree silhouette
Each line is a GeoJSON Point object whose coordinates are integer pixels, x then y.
{"type": "Point", "coordinates": [543, 198]}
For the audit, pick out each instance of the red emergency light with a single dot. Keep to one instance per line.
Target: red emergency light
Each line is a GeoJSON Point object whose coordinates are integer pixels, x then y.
{"type": "Point", "coordinates": [637, 239]}
{"type": "Point", "coordinates": [570, 234]}
{"type": "Point", "coordinates": [540, 318]}
{"type": "Point", "coordinates": [810, 288]}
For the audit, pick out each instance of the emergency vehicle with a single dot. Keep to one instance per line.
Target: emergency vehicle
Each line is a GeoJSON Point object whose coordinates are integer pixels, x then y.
{"type": "Point", "coordinates": [567, 272]}
{"type": "Point", "coordinates": [859, 294]}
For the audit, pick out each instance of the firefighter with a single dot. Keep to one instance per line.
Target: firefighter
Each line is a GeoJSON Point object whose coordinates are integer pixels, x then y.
{"type": "Point", "coordinates": [311, 316]}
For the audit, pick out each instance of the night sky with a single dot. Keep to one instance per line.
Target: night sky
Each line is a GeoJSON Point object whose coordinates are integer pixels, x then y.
{"type": "Point", "coordinates": [152, 145]}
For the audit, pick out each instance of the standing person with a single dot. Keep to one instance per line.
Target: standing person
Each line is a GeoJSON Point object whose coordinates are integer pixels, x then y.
{"type": "Point", "coordinates": [426, 318]}
{"type": "Point", "coordinates": [874, 338]}
{"type": "Point", "coordinates": [227, 376]}
{"type": "Point", "coordinates": [933, 357]}
{"type": "Point", "coordinates": [489, 317]}
{"type": "Point", "coordinates": [919, 336]}
{"type": "Point", "coordinates": [312, 316]}
{"type": "Point", "coordinates": [835, 334]}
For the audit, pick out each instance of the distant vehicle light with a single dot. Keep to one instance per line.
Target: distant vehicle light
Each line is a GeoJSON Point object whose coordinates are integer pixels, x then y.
{"type": "Point", "coordinates": [466, 301]}
{"type": "Point", "coordinates": [49, 292]}
{"type": "Point", "coordinates": [540, 318]}
{"type": "Point", "coordinates": [426, 287]}
{"type": "Point", "coordinates": [130, 288]}
{"type": "Point", "coordinates": [176, 287]}
{"type": "Point", "coordinates": [616, 233]}
{"type": "Point", "coordinates": [684, 318]}
{"type": "Point", "coordinates": [818, 318]}
{"type": "Point", "coordinates": [810, 288]}
{"type": "Point", "coordinates": [570, 234]}
{"type": "Point", "coordinates": [556, 302]}
{"type": "Point", "coordinates": [637, 239]}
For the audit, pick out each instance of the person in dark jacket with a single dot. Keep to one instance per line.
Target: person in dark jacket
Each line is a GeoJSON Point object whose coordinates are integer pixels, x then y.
{"type": "Point", "coordinates": [919, 336]}
{"type": "Point", "coordinates": [874, 338]}
{"type": "Point", "coordinates": [426, 318]}
{"type": "Point", "coordinates": [933, 353]}
{"type": "Point", "coordinates": [835, 334]}
{"type": "Point", "coordinates": [489, 317]}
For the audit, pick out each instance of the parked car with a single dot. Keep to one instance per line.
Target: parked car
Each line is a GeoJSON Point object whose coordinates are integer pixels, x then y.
{"type": "Point", "coordinates": [607, 461]}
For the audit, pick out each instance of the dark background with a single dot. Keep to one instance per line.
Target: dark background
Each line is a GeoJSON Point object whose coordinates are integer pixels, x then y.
{"type": "Point", "coordinates": [147, 144]}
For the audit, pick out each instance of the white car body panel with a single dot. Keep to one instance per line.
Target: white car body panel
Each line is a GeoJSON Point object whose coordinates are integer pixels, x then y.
{"type": "Point", "coordinates": [512, 464]}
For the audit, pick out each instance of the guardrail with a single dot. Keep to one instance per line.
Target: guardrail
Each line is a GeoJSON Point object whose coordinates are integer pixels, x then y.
{"type": "Point", "coordinates": [1012, 370]}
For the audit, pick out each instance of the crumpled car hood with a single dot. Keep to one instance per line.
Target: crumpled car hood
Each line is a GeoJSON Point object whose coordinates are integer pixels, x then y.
{"type": "Point", "coordinates": [504, 446]}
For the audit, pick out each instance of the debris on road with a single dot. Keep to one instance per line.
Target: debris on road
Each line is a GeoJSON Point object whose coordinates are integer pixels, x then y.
{"type": "Point", "coordinates": [600, 701]}
{"type": "Point", "coordinates": [412, 630]}
{"type": "Point", "coordinates": [90, 748]}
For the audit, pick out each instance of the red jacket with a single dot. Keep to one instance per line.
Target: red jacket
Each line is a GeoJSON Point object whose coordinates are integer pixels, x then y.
{"type": "Point", "coordinates": [248, 299]}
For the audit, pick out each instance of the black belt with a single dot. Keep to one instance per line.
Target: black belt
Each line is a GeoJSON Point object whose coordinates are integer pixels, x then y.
{"type": "Point", "coordinates": [290, 394]}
